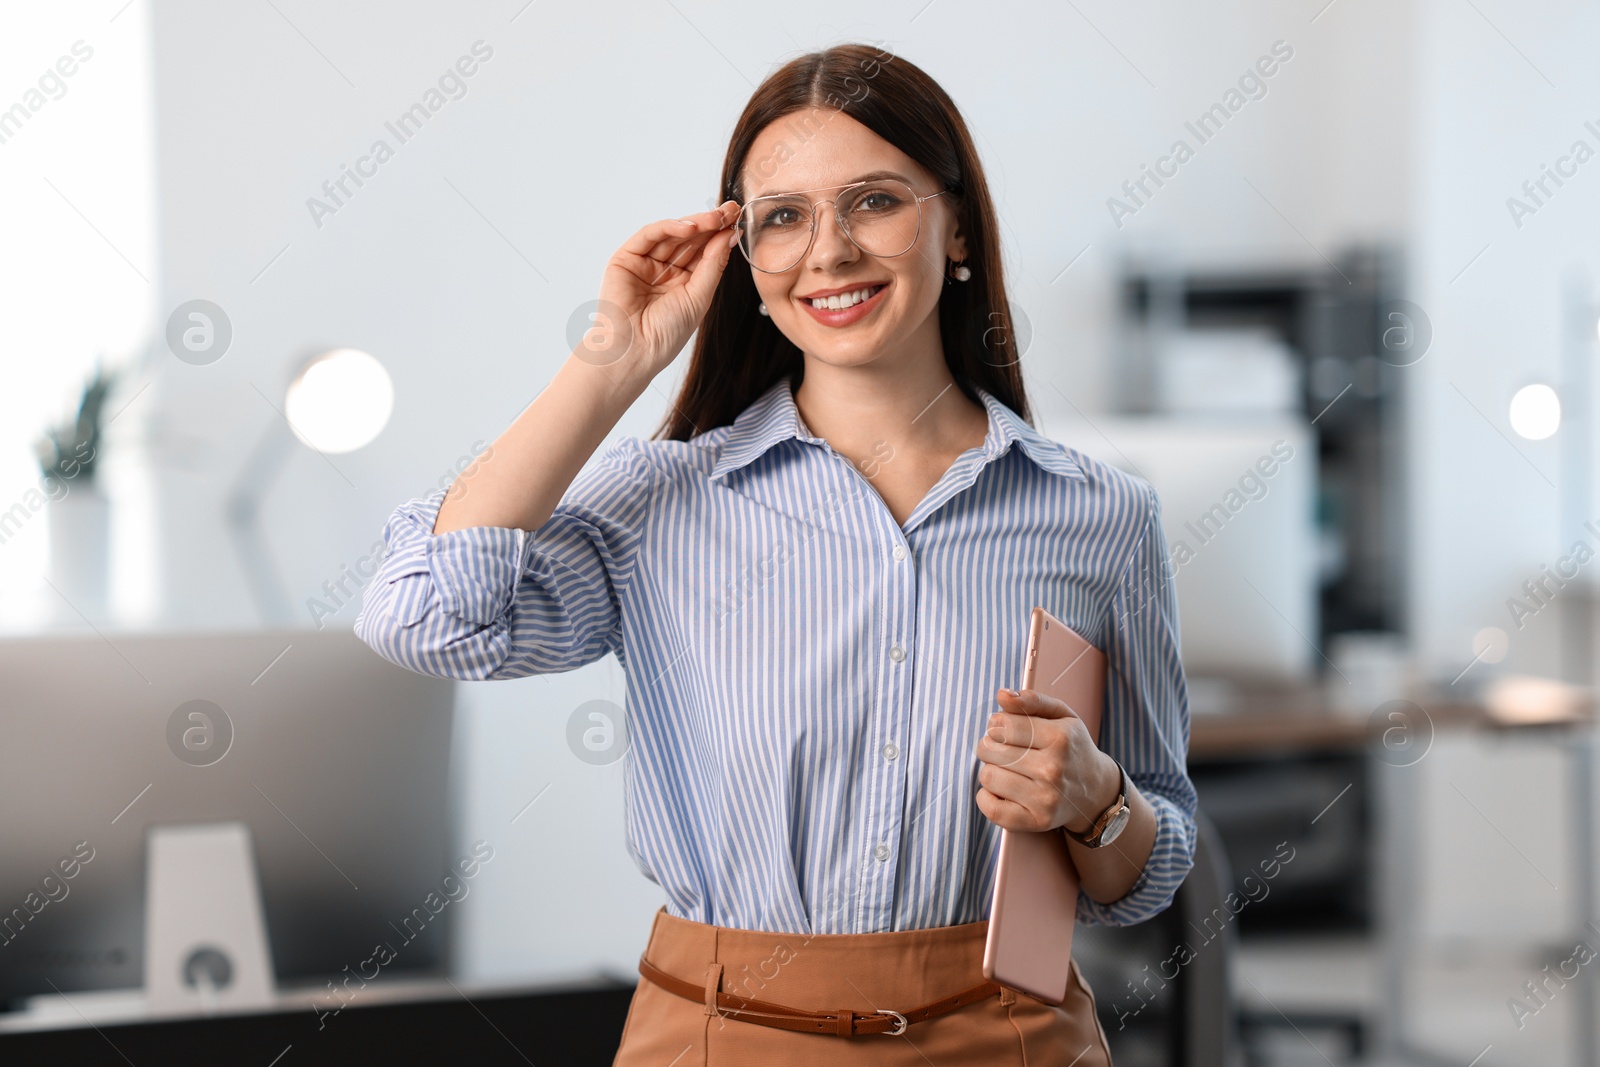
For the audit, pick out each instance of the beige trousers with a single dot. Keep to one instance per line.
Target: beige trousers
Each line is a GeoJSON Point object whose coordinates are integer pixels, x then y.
{"type": "Point", "coordinates": [864, 972]}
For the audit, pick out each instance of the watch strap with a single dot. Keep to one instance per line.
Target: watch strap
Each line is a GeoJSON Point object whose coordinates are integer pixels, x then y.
{"type": "Point", "coordinates": [1091, 837]}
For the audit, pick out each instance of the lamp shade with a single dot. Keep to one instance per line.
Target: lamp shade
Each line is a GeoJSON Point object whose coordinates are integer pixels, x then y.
{"type": "Point", "coordinates": [340, 401]}
{"type": "Point", "coordinates": [1535, 412]}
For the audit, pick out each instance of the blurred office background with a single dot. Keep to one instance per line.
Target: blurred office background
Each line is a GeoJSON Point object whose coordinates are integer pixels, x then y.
{"type": "Point", "coordinates": [1348, 334]}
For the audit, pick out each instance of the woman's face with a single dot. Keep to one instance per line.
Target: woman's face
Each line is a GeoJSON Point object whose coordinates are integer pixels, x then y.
{"type": "Point", "coordinates": [819, 149]}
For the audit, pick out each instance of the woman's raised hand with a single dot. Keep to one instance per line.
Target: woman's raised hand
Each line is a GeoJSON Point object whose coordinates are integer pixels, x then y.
{"type": "Point", "coordinates": [655, 291]}
{"type": "Point", "coordinates": [661, 280]}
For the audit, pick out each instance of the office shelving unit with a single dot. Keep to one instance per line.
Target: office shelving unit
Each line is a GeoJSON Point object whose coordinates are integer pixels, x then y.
{"type": "Point", "coordinates": [1354, 338]}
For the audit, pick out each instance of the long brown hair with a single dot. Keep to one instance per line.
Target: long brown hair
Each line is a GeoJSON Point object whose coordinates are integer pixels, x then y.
{"type": "Point", "coordinates": [739, 354]}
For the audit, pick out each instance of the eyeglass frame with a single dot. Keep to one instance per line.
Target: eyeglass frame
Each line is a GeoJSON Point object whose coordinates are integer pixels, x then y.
{"type": "Point", "coordinates": [844, 227]}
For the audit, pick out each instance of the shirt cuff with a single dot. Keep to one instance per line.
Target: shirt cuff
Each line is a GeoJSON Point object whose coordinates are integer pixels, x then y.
{"type": "Point", "coordinates": [1171, 857]}
{"type": "Point", "coordinates": [474, 571]}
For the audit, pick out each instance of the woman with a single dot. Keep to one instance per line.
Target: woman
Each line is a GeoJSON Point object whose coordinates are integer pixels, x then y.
{"type": "Point", "coordinates": [818, 576]}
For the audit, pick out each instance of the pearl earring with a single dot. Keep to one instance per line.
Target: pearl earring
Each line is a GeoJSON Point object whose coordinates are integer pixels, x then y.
{"type": "Point", "coordinates": [963, 272]}
{"type": "Point", "coordinates": [763, 309]}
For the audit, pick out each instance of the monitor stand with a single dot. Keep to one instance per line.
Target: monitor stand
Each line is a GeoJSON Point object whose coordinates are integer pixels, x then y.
{"type": "Point", "coordinates": [205, 947]}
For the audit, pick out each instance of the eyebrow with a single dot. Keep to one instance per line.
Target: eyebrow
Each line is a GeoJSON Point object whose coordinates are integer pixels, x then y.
{"type": "Point", "coordinates": [868, 177]}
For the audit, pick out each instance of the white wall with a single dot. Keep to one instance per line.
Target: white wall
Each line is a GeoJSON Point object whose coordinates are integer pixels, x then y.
{"type": "Point", "coordinates": [1484, 516]}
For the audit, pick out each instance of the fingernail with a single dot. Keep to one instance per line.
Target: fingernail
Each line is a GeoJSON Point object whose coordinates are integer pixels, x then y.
{"type": "Point", "coordinates": [733, 238]}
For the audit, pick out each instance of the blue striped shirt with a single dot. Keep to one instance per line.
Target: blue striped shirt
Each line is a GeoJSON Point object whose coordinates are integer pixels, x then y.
{"type": "Point", "coordinates": [807, 680]}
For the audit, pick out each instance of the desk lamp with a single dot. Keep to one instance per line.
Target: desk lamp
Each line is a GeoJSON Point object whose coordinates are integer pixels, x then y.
{"type": "Point", "coordinates": [336, 402]}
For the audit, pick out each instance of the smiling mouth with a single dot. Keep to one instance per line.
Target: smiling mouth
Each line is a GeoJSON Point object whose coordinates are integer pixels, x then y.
{"type": "Point", "coordinates": [840, 301]}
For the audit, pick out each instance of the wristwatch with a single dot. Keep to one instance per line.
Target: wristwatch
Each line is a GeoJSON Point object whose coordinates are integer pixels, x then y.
{"type": "Point", "coordinates": [1110, 822]}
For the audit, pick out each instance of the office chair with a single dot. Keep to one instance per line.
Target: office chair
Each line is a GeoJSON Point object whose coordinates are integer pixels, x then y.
{"type": "Point", "coordinates": [1189, 1019]}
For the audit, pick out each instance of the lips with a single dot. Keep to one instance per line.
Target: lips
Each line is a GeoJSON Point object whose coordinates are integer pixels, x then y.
{"type": "Point", "coordinates": [837, 299]}
{"type": "Point", "coordinates": [847, 314]}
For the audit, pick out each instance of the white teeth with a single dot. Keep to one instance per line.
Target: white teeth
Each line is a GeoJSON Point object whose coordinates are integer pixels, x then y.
{"type": "Point", "coordinates": [842, 300]}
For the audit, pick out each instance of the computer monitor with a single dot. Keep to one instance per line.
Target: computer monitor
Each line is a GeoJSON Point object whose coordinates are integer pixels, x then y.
{"type": "Point", "coordinates": [1238, 507]}
{"type": "Point", "coordinates": [336, 760]}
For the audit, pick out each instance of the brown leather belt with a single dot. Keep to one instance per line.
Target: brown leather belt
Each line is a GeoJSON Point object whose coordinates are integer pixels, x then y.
{"type": "Point", "coordinates": [842, 1022]}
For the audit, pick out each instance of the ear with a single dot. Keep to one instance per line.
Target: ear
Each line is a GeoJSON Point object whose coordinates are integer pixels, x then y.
{"type": "Point", "coordinates": [955, 246]}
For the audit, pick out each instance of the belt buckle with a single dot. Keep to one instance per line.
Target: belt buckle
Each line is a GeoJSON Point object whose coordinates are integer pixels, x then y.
{"type": "Point", "coordinates": [900, 1023]}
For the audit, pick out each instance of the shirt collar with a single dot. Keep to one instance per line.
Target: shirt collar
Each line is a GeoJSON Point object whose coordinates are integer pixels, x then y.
{"type": "Point", "coordinates": [773, 417]}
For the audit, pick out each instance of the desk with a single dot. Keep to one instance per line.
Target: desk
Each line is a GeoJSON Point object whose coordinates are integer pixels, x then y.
{"type": "Point", "coordinates": [1255, 734]}
{"type": "Point", "coordinates": [1263, 722]}
{"type": "Point", "coordinates": [1269, 726]}
{"type": "Point", "coordinates": [423, 1023]}
{"type": "Point", "coordinates": [1287, 746]}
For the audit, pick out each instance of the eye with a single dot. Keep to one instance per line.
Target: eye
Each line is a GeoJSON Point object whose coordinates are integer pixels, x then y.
{"type": "Point", "coordinates": [780, 216]}
{"type": "Point", "coordinates": [876, 201]}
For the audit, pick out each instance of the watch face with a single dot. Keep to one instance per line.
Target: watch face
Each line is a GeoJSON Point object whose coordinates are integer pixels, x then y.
{"type": "Point", "coordinates": [1118, 822]}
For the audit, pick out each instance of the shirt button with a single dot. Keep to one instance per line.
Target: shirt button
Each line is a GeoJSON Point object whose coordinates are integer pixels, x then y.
{"type": "Point", "coordinates": [882, 852]}
{"type": "Point", "coordinates": [891, 751]}
{"type": "Point", "coordinates": [899, 552]}
{"type": "Point", "coordinates": [897, 653]}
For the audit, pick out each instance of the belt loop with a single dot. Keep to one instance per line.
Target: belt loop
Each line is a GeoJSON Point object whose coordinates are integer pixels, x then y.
{"type": "Point", "coordinates": [713, 984]}
{"type": "Point", "coordinates": [846, 1023]}
{"type": "Point", "coordinates": [1008, 996]}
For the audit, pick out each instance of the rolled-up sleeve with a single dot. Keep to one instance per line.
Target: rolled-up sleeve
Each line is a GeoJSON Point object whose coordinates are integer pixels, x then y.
{"type": "Point", "coordinates": [1147, 722]}
{"type": "Point", "coordinates": [493, 602]}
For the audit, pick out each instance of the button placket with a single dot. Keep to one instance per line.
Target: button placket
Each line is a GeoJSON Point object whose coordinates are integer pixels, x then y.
{"type": "Point", "coordinates": [899, 620]}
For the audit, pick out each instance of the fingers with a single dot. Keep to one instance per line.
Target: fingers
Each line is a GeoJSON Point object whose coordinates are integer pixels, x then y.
{"type": "Point", "coordinates": [686, 258]}
{"type": "Point", "coordinates": [1001, 754]}
{"type": "Point", "coordinates": [678, 249]}
{"type": "Point", "coordinates": [701, 230]}
{"type": "Point", "coordinates": [1033, 702]}
{"type": "Point", "coordinates": [708, 272]}
{"type": "Point", "coordinates": [658, 273]}
{"type": "Point", "coordinates": [1009, 814]}
{"type": "Point", "coordinates": [687, 254]}
{"type": "Point", "coordinates": [683, 254]}
{"type": "Point", "coordinates": [1031, 794]}
{"type": "Point", "coordinates": [661, 239]}
{"type": "Point", "coordinates": [1008, 784]}
{"type": "Point", "coordinates": [719, 217]}
{"type": "Point", "coordinates": [1031, 720]}
{"type": "Point", "coordinates": [663, 231]}
{"type": "Point", "coordinates": [1014, 733]}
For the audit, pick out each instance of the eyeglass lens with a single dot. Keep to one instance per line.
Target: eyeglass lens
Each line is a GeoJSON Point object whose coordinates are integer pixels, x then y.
{"type": "Point", "coordinates": [881, 217]}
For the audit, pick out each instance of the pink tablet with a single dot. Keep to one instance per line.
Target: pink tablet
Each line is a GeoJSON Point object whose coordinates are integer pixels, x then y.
{"type": "Point", "coordinates": [1036, 886]}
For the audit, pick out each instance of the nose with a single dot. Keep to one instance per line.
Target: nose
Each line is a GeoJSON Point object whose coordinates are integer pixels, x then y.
{"type": "Point", "coordinates": [831, 246]}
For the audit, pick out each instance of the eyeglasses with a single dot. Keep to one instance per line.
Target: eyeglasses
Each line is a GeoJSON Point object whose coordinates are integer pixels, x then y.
{"type": "Point", "coordinates": [881, 217]}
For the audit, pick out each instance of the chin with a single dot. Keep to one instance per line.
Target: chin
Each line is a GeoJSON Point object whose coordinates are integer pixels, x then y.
{"type": "Point", "coordinates": [853, 359]}
{"type": "Point", "coordinates": [842, 351]}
